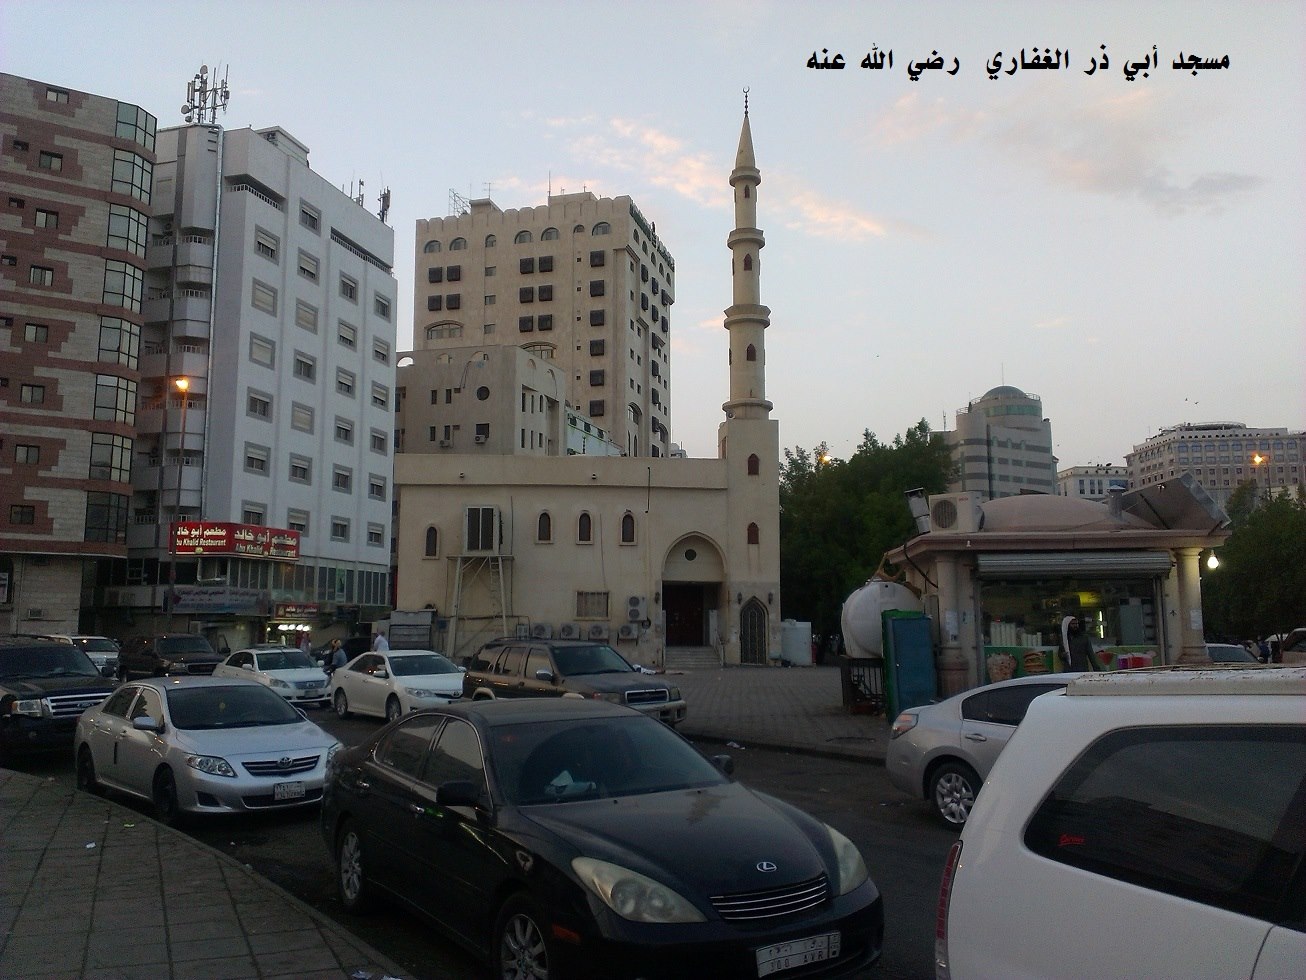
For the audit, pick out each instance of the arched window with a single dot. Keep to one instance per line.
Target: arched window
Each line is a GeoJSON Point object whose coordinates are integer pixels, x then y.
{"type": "Point", "coordinates": [584, 529]}
{"type": "Point", "coordinates": [544, 527]}
{"type": "Point", "coordinates": [748, 263]}
{"type": "Point", "coordinates": [522, 238]}
{"type": "Point", "coordinates": [491, 241]}
{"type": "Point", "coordinates": [432, 542]}
{"type": "Point", "coordinates": [431, 246]}
{"type": "Point", "coordinates": [747, 191]}
{"type": "Point", "coordinates": [751, 353]}
{"type": "Point", "coordinates": [753, 534]}
{"type": "Point", "coordinates": [548, 234]}
{"type": "Point", "coordinates": [754, 465]}
{"type": "Point", "coordinates": [578, 229]}
{"type": "Point", "coordinates": [458, 244]}
{"type": "Point", "coordinates": [627, 529]}
{"type": "Point", "coordinates": [602, 228]}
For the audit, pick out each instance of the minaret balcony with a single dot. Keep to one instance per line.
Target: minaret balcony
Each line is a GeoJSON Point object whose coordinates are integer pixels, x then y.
{"type": "Point", "coordinates": [746, 236]}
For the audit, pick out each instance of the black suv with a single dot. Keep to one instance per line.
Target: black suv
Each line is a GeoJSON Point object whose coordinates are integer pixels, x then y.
{"type": "Point", "coordinates": [510, 668]}
{"type": "Point", "coordinates": [45, 685]}
{"type": "Point", "coordinates": [167, 653]}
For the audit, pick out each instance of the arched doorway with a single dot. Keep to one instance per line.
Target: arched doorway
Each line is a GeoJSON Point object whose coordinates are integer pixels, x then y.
{"type": "Point", "coordinates": [752, 632]}
{"type": "Point", "coordinates": [692, 573]}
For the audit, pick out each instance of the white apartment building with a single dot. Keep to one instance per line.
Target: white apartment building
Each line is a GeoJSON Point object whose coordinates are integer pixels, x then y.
{"type": "Point", "coordinates": [582, 281]}
{"type": "Point", "coordinates": [1221, 456]}
{"type": "Point", "coordinates": [1002, 445]}
{"type": "Point", "coordinates": [270, 296]}
{"type": "Point", "coordinates": [1091, 482]}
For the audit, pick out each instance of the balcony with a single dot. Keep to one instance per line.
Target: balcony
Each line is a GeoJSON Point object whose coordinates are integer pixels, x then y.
{"type": "Point", "coordinates": [186, 304]}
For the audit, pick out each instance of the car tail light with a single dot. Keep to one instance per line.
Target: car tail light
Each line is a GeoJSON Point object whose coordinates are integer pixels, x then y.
{"type": "Point", "coordinates": [942, 970]}
{"type": "Point", "coordinates": [904, 723]}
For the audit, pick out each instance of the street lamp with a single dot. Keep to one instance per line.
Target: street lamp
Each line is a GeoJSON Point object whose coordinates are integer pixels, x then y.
{"type": "Point", "coordinates": [183, 385]}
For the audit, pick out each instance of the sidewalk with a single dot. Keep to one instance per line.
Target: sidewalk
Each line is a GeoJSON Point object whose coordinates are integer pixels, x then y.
{"type": "Point", "coordinates": [91, 889]}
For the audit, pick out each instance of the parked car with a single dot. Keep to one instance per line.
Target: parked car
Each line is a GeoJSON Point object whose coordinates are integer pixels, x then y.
{"type": "Point", "coordinates": [288, 671]}
{"type": "Point", "coordinates": [202, 745]}
{"type": "Point", "coordinates": [573, 668]}
{"type": "Point", "coordinates": [1230, 653]}
{"type": "Point", "coordinates": [565, 837]}
{"type": "Point", "coordinates": [167, 653]}
{"type": "Point", "coordinates": [943, 752]}
{"type": "Point", "coordinates": [1140, 824]}
{"type": "Point", "coordinates": [102, 650]}
{"type": "Point", "coordinates": [45, 685]}
{"type": "Point", "coordinates": [391, 684]}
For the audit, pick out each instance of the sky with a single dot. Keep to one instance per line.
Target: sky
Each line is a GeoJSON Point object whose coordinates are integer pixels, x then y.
{"type": "Point", "coordinates": [1131, 251]}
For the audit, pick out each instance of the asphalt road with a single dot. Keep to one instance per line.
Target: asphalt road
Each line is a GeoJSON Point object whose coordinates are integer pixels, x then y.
{"type": "Point", "coordinates": [903, 846]}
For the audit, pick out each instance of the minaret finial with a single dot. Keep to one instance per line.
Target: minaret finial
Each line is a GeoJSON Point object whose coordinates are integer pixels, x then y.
{"type": "Point", "coordinates": [745, 100]}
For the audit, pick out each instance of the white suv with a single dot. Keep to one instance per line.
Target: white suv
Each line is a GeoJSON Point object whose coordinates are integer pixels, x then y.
{"type": "Point", "coordinates": [1141, 824]}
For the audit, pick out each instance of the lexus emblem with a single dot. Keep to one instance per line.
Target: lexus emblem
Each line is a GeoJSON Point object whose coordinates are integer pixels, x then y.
{"type": "Point", "coordinates": [766, 867]}
{"type": "Point", "coordinates": [283, 762]}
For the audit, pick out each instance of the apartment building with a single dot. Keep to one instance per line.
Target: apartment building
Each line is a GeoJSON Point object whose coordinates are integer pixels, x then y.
{"type": "Point", "coordinates": [1091, 482]}
{"type": "Point", "coordinates": [77, 172]}
{"type": "Point", "coordinates": [1002, 445]}
{"type": "Point", "coordinates": [1221, 456]}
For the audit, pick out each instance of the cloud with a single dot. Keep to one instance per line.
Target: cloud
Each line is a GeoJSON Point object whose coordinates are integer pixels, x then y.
{"type": "Point", "coordinates": [1054, 323]}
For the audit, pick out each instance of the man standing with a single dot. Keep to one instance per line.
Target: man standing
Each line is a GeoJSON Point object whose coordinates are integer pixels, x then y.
{"type": "Point", "coordinates": [1077, 646]}
{"type": "Point", "coordinates": [379, 643]}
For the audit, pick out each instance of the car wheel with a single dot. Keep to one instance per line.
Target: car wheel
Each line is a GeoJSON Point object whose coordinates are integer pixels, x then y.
{"type": "Point", "coordinates": [393, 709]}
{"type": "Point", "coordinates": [86, 780]}
{"type": "Point", "coordinates": [342, 704]}
{"type": "Point", "coordinates": [521, 947]}
{"type": "Point", "coordinates": [351, 880]}
{"type": "Point", "coordinates": [953, 789]}
{"type": "Point", "coordinates": [166, 807]}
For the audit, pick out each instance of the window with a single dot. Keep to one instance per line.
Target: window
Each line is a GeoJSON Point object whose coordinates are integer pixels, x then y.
{"type": "Point", "coordinates": [110, 457]}
{"type": "Point", "coordinates": [455, 273]}
{"type": "Point", "coordinates": [596, 348]}
{"type": "Point", "coordinates": [381, 306]}
{"type": "Point", "coordinates": [598, 259]}
{"type": "Point", "coordinates": [591, 605]}
{"type": "Point", "coordinates": [135, 124]}
{"type": "Point", "coordinates": [22, 514]}
{"type": "Point", "coordinates": [339, 529]}
{"type": "Point", "coordinates": [308, 266]}
{"type": "Point", "coordinates": [434, 304]}
{"type": "Point", "coordinates": [748, 263]}
{"type": "Point", "coordinates": [263, 297]}
{"type": "Point", "coordinates": [597, 287]}
{"type": "Point", "coordinates": [546, 263]}
{"type": "Point", "coordinates": [32, 394]}
{"type": "Point", "coordinates": [56, 95]}
{"type": "Point", "coordinates": [262, 351]}
{"type": "Point", "coordinates": [301, 418]}
{"type": "Point", "coordinates": [525, 324]}
{"type": "Point", "coordinates": [376, 535]}
{"type": "Point", "coordinates": [584, 529]}
{"type": "Point", "coordinates": [266, 244]}
{"type": "Point", "coordinates": [310, 217]}
{"type": "Point", "coordinates": [106, 517]}
{"type": "Point", "coordinates": [526, 294]}
{"type": "Point", "coordinates": [431, 246]}
{"type": "Point", "coordinates": [376, 487]}
{"type": "Point", "coordinates": [345, 382]}
{"type": "Point", "coordinates": [380, 395]}
{"type": "Point", "coordinates": [349, 288]}
{"type": "Point", "coordinates": [522, 238]}
{"type": "Point", "coordinates": [305, 367]}
{"type": "Point", "coordinates": [28, 455]}
{"type": "Point", "coordinates": [128, 229]}
{"type": "Point", "coordinates": [124, 285]}
{"type": "Point", "coordinates": [544, 527]}
{"type": "Point", "coordinates": [549, 234]}
{"type": "Point", "coordinates": [546, 294]}
{"type": "Point", "coordinates": [258, 405]}
{"type": "Point", "coordinates": [40, 275]}
{"type": "Point", "coordinates": [750, 354]}
{"type": "Point", "coordinates": [301, 469]}
{"type": "Point", "coordinates": [342, 479]}
{"type": "Point", "coordinates": [754, 465]}
{"type": "Point", "coordinates": [597, 318]}
{"type": "Point", "coordinates": [253, 514]}
{"type": "Point", "coordinates": [305, 316]}
{"type": "Point", "coordinates": [47, 219]}
{"type": "Point", "coordinates": [454, 301]}
{"type": "Point", "coordinates": [344, 431]}
{"type": "Point", "coordinates": [115, 399]}
{"type": "Point", "coordinates": [381, 351]}
{"type": "Point", "coordinates": [458, 244]}
{"type": "Point", "coordinates": [432, 549]}
{"type": "Point", "coordinates": [256, 459]}
{"type": "Point", "coordinates": [596, 409]}
{"type": "Point", "coordinates": [36, 333]}
{"type": "Point", "coordinates": [347, 335]}
{"type": "Point", "coordinates": [17, 203]}
{"type": "Point", "coordinates": [602, 228]}
{"type": "Point", "coordinates": [754, 536]}
{"type": "Point", "coordinates": [526, 266]}
{"type": "Point", "coordinates": [50, 161]}
{"type": "Point", "coordinates": [297, 520]}
{"type": "Point", "coordinates": [379, 442]}
{"type": "Point", "coordinates": [132, 175]}
{"type": "Point", "coordinates": [627, 529]}
{"type": "Point", "coordinates": [596, 379]}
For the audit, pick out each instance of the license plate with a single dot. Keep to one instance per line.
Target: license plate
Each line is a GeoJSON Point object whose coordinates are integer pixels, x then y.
{"type": "Point", "coordinates": [796, 953]}
{"type": "Point", "coordinates": [288, 791]}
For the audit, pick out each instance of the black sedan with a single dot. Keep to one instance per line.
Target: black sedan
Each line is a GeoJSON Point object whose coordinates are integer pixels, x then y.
{"type": "Point", "coordinates": [568, 838]}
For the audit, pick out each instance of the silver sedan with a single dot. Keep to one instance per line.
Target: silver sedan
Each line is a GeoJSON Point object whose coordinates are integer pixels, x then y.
{"type": "Point", "coordinates": [202, 745]}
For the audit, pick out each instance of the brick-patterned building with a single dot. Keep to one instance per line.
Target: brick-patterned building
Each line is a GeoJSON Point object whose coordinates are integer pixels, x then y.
{"type": "Point", "coordinates": [77, 172]}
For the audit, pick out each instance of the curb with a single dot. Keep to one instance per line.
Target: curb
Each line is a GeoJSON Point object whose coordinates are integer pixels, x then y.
{"type": "Point", "coordinates": [819, 753]}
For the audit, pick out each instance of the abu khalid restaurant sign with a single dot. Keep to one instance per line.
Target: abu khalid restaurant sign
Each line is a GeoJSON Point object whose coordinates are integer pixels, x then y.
{"type": "Point", "coordinates": [223, 538]}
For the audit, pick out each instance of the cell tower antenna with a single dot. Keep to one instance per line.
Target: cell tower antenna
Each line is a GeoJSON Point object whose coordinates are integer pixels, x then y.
{"type": "Point", "coordinates": [384, 200]}
{"type": "Point", "coordinates": [458, 204]}
{"type": "Point", "coordinates": [205, 98]}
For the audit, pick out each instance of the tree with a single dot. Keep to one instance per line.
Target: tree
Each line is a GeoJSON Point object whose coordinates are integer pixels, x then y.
{"type": "Point", "coordinates": [839, 517]}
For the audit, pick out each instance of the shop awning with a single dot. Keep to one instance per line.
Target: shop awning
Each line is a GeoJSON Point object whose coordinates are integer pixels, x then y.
{"type": "Point", "coordinates": [1041, 564]}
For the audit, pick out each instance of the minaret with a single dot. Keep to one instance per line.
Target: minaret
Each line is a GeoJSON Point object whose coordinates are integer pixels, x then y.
{"type": "Point", "coordinates": [746, 319]}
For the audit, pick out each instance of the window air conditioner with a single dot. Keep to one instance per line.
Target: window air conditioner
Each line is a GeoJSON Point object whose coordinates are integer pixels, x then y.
{"type": "Point", "coordinates": [446, 443]}
{"type": "Point", "coordinates": [628, 631]}
{"type": "Point", "coordinates": [959, 512]}
{"type": "Point", "coordinates": [480, 440]}
{"type": "Point", "coordinates": [569, 631]}
{"type": "Point", "coordinates": [541, 631]}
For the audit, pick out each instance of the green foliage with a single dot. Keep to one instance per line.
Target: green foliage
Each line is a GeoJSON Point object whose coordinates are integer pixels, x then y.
{"type": "Point", "coordinates": [1260, 586]}
{"type": "Point", "coordinates": [839, 517]}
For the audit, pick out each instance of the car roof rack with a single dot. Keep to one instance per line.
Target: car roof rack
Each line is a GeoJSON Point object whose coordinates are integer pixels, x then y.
{"type": "Point", "coordinates": [1192, 679]}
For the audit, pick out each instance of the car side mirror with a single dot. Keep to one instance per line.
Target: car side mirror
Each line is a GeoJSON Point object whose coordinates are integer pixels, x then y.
{"type": "Point", "coordinates": [723, 762]}
{"type": "Point", "coordinates": [225, 651]}
{"type": "Point", "coordinates": [246, 666]}
{"type": "Point", "coordinates": [458, 792]}
{"type": "Point", "coordinates": [107, 672]}
{"type": "Point", "coordinates": [381, 674]}
{"type": "Point", "coordinates": [144, 723]}
{"type": "Point", "coordinates": [544, 674]}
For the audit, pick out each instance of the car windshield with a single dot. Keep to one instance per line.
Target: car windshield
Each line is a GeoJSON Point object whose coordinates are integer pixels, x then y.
{"type": "Point", "coordinates": [98, 644]}
{"type": "Point", "coordinates": [246, 706]}
{"type": "Point", "coordinates": [288, 659]}
{"type": "Point", "coordinates": [50, 660]}
{"type": "Point", "coordinates": [417, 665]}
{"type": "Point", "coordinates": [598, 658]}
{"type": "Point", "coordinates": [557, 762]}
{"type": "Point", "coordinates": [184, 644]}
{"type": "Point", "coordinates": [1229, 654]}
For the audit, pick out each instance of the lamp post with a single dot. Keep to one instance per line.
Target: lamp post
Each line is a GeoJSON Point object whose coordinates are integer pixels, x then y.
{"type": "Point", "coordinates": [1260, 461]}
{"type": "Point", "coordinates": [183, 385]}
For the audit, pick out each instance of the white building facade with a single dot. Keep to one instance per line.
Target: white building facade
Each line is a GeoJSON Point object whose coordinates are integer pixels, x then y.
{"type": "Point", "coordinates": [1002, 446]}
{"type": "Point", "coordinates": [1091, 482]}
{"type": "Point", "coordinates": [1221, 456]}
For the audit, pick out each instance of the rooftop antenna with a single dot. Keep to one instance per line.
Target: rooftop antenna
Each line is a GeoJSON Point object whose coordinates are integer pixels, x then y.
{"type": "Point", "coordinates": [458, 204]}
{"type": "Point", "coordinates": [745, 100]}
{"type": "Point", "coordinates": [385, 204]}
{"type": "Point", "coordinates": [488, 188]}
{"type": "Point", "coordinates": [204, 99]}
{"type": "Point", "coordinates": [359, 200]}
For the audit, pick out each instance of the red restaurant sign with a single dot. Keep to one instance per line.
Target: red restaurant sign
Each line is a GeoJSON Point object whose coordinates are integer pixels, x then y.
{"type": "Point", "coordinates": [222, 538]}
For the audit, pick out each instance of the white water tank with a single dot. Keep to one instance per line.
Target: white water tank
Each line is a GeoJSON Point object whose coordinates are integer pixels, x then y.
{"type": "Point", "coordinates": [796, 642]}
{"type": "Point", "coordinates": [863, 627]}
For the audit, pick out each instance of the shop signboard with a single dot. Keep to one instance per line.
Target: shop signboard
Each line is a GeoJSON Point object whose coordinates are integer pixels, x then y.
{"type": "Point", "coordinates": [209, 600]}
{"type": "Point", "coordinates": [226, 538]}
{"type": "Point", "coordinates": [296, 610]}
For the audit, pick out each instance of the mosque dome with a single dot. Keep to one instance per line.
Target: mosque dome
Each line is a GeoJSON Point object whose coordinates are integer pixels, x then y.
{"type": "Point", "coordinates": [1004, 391]}
{"type": "Point", "coordinates": [1048, 512]}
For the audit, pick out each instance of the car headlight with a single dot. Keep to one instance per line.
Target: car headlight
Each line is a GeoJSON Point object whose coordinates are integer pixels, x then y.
{"type": "Point", "coordinates": [278, 682]}
{"type": "Point", "coordinates": [421, 692]}
{"type": "Point", "coordinates": [614, 697]}
{"type": "Point", "coordinates": [211, 764]}
{"type": "Point", "coordinates": [35, 707]}
{"type": "Point", "coordinates": [675, 694]}
{"type": "Point", "coordinates": [904, 723]}
{"type": "Point", "coordinates": [633, 896]}
{"type": "Point", "coordinates": [851, 867]}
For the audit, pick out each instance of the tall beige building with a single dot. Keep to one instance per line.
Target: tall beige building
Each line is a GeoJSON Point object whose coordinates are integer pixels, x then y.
{"type": "Point", "coordinates": [1221, 456]}
{"type": "Point", "coordinates": [1002, 445]}
{"type": "Point", "coordinates": [583, 282]}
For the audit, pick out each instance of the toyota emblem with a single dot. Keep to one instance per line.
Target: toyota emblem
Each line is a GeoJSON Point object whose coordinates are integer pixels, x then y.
{"type": "Point", "coordinates": [766, 867]}
{"type": "Point", "coordinates": [283, 762]}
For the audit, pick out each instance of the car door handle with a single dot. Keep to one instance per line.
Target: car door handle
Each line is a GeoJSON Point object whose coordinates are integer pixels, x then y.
{"type": "Point", "coordinates": [976, 737]}
{"type": "Point", "coordinates": [416, 809]}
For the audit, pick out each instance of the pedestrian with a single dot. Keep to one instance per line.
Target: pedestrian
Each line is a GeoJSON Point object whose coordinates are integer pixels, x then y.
{"type": "Point", "coordinates": [379, 643]}
{"type": "Point", "coordinates": [306, 645]}
{"type": "Point", "coordinates": [338, 657]}
{"type": "Point", "coordinates": [1077, 646]}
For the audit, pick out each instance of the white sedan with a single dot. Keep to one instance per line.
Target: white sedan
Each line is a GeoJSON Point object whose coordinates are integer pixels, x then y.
{"type": "Point", "coordinates": [286, 670]}
{"type": "Point", "coordinates": [394, 683]}
{"type": "Point", "coordinates": [202, 745]}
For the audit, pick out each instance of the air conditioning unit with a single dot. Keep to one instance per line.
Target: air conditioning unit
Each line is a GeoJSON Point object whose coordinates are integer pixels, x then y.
{"type": "Point", "coordinates": [636, 609]}
{"type": "Point", "coordinates": [482, 530]}
{"type": "Point", "coordinates": [541, 631]}
{"type": "Point", "coordinates": [480, 440]}
{"type": "Point", "coordinates": [446, 443]}
{"type": "Point", "coordinates": [598, 631]}
{"type": "Point", "coordinates": [569, 631]}
{"type": "Point", "coordinates": [958, 512]}
{"type": "Point", "coordinates": [628, 631]}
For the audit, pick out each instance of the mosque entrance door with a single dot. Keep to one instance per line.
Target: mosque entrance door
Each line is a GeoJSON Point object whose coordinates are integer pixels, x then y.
{"type": "Point", "coordinates": [686, 619]}
{"type": "Point", "coordinates": [752, 633]}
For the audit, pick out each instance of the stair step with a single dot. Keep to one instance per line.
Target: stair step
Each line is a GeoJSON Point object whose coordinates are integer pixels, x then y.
{"type": "Point", "coordinates": [691, 658]}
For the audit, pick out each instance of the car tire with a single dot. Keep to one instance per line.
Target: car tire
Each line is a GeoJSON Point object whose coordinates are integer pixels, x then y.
{"type": "Point", "coordinates": [351, 866]}
{"type": "Point", "coordinates": [393, 709]}
{"type": "Point", "coordinates": [86, 780]}
{"type": "Point", "coordinates": [522, 947]}
{"type": "Point", "coordinates": [953, 788]}
{"type": "Point", "coordinates": [341, 703]}
{"type": "Point", "coordinates": [167, 808]}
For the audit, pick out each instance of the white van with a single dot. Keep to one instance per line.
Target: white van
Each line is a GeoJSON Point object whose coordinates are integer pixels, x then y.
{"type": "Point", "coordinates": [1143, 823]}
